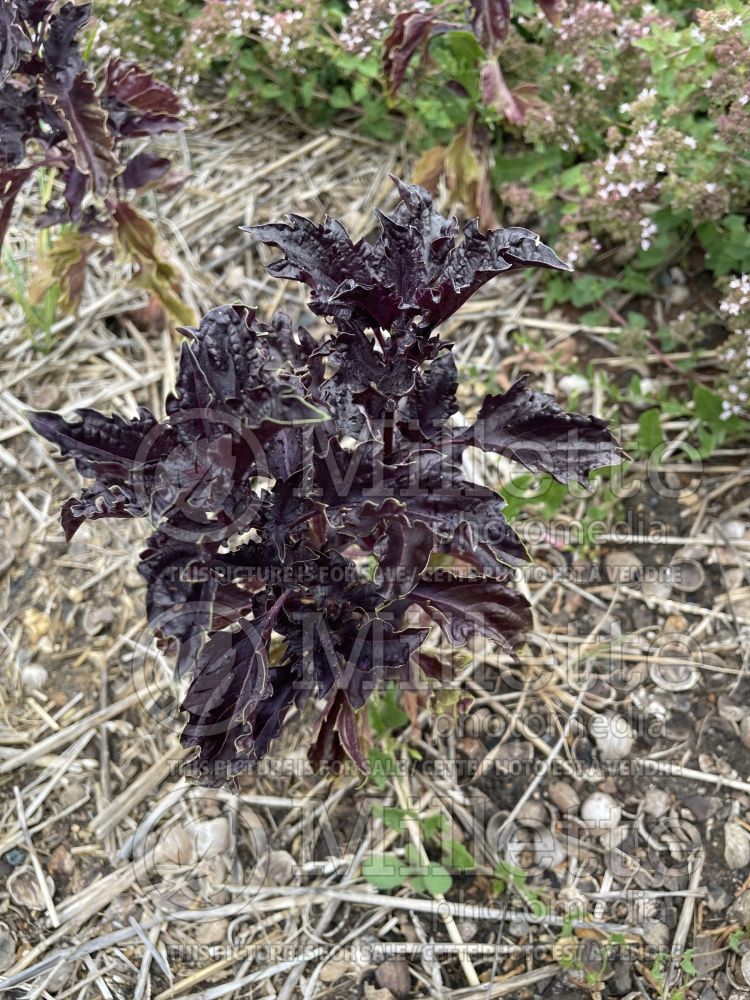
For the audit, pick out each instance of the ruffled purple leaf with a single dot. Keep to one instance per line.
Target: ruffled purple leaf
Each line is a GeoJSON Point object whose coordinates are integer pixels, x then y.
{"type": "Point", "coordinates": [532, 428]}
{"type": "Point", "coordinates": [99, 501]}
{"type": "Point", "coordinates": [138, 104]}
{"type": "Point", "coordinates": [464, 608]}
{"type": "Point", "coordinates": [414, 276]}
{"type": "Point", "coordinates": [99, 445]}
{"type": "Point", "coordinates": [90, 140]}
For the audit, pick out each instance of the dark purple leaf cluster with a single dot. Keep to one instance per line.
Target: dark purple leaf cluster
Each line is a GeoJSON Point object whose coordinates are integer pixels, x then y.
{"type": "Point", "coordinates": [311, 515]}
{"type": "Point", "coordinates": [53, 114]}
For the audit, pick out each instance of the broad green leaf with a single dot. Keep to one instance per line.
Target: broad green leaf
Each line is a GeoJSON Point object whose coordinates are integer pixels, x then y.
{"type": "Point", "coordinates": [432, 878]}
{"type": "Point", "coordinates": [650, 434]}
{"type": "Point", "coordinates": [384, 871]}
{"type": "Point", "coordinates": [456, 856]}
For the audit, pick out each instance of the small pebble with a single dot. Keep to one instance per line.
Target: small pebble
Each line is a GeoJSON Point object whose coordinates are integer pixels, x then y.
{"type": "Point", "coordinates": [23, 889]}
{"type": "Point", "coordinates": [613, 735]}
{"type": "Point", "coordinates": [730, 710]}
{"type": "Point", "coordinates": [573, 383]}
{"type": "Point", "coordinates": [394, 975]}
{"type": "Point", "coordinates": [703, 806]}
{"type": "Point", "coordinates": [33, 677]}
{"type": "Point", "coordinates": [736, 846]}
{"type": "Point", "coordinates": [687, 575]}
{"type": "Point", "coordinates": [211, 931]}
{"type": "Point", "coordinates": [657, 586]}
{"type": "Point", "coordinates": [717, 898]}
{"type": "Point", "coordinates": [600, 812]}
{"type": "Point", "coordinates": [532, 812]}
{"type": "Point", "coordinates": [564, 796]}
{"type": "Point", "coordinates": [739, 911]}
{"type": "Point", "coordinates": [467, 929]}
{"type": "Point", "coordinates": [211, 837]}
{"type": "Point", "coordinates": [745, 967]}
{"type": "Point", "coordinates": [734, 529]}
{"type": "Point", "coordinates": [677, 676]}
{"type": "Point", "coordinates": [707, 955]}
{"type": "Point", "coordinates": [656, 933]}
{"type": "Point", "coordinates": [623, 567]}
{"type": "Point", "coordinates": [278, 868]}
{"type": "Point", "coordinates": [656, 802]}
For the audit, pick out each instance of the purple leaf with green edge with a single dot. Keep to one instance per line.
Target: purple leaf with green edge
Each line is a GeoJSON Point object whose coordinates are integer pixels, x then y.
{"type": "Point", "coordinates": [362, 494]}
{"type": "Point", "coordinates": [465, 607]}
{"type": "Point", "coordinates": [219, 360]}
{"type": "Point", "coordinates": [348, 731]}
{"type": "Point", "coordinates": [138, 104]}
{"type": "Point", "coordinates": [236, 702]}
{"type": "Point", "coordinates": [283, 453]}
{"type": "Point", "coordinates": [144, 170]}
{"type": "Point", "coordinates": [363, 386]}
{"type": "Point", "coordinates": [372, 653]}
{"type": "Point", "coordinates": [179, 601]}
{"type": "Point", "coordinates": [532, 428]}
{"type": "Point", "coordinates": [229, 681]}
{"type": "Point", "coordinates": [326, 747]}
{"type": "Point", "coordinates": [86, 122]}
{"type": "Point", "coordinates": [490, 22]}
{"type": "Point", "coordinates": [475, 261]}
{"type": "Point", "coordinates": [284, 513]}
{"type": "Point", "coordinates": [235, 359]}
{"type": "Point", "coordinates": [324, 257]}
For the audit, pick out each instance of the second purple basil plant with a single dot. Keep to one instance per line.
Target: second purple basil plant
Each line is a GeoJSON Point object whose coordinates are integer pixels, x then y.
{"type": "Point", "coordinates": [311, 517]}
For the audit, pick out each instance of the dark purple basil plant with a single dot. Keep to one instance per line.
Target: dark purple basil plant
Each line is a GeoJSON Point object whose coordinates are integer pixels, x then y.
{"type": "Point", "coordinates": [311, 490]}
{"type": "Point", "coordinates": [54, 114]}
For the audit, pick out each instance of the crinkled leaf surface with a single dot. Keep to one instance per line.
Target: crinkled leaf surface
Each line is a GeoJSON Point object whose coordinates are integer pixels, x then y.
{"type": "Point", "coordinates": [531, 428]}
{"type": "Point", "coordinates": [413, 277]}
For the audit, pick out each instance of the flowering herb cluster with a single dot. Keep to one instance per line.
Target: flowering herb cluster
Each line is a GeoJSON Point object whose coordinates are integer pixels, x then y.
{"type": "Point", "coordinates": [311, 516]}
{"type": "Point", "coordinates": [584, 118]}
{"type": "Point", "coordinates": [657, 111]}
{"type": "Point", "coordinates": [54, 115]}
